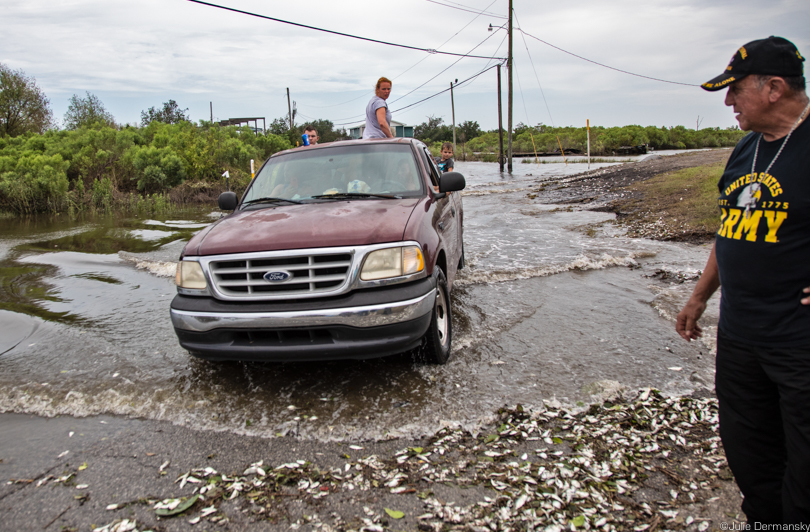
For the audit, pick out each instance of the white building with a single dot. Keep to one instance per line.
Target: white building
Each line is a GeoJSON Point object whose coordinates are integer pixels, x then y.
{"type": "Point", "coordinates": [400, 130]}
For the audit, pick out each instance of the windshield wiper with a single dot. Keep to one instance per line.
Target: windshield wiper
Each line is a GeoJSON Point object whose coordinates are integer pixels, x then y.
{"type": "Point", "coordinates": [268, 199]}
{"type": "Point", "coordinates": [356, 195]}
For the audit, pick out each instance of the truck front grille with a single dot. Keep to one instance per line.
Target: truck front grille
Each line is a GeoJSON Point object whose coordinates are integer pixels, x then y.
{"type": "Point", "coordinates": [307, 275]}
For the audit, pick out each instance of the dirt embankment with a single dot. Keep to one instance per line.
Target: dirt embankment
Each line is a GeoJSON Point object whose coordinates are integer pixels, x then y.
{"type": "Point", "coordinates": [662, 197]}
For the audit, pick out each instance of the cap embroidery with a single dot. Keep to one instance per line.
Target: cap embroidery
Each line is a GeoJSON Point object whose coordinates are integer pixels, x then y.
{"type": "Point", "coordinates": [799, 55]}
{"type": "Point", "coordinates": [719, 83]}
{"type": "Point", "coordinates": [743, 53]}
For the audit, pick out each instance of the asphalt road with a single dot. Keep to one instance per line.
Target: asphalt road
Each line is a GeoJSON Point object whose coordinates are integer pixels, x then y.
{"type": "Point", "coordinates": [123, 459]}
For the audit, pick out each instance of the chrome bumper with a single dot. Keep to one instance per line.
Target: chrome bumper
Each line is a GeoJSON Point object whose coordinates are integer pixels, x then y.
{"type": "Point", "coordinates": [367, 316]}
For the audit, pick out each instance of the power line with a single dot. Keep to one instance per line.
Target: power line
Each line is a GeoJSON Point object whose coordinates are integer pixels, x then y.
{"type": "Point", "coordinates": [414, 65]}
{"type": "Point", "coordinates": [432, 95]}
{"type": "Point", "coordinates": [443, 71]}
{"type": "Point", "coordinates": [496, 51]}
{"type": "Point", "coordinates": [468, 10]}
{"type": "Point", "coordinates": [428, 50]}
{"type": "Point", "coordinates": [531, 61]}
{"type": "Point", "coordinates": [455, 85]}
{"type": "Point", "coordinates": [522, 96]}
{"type": "Point", "coordinates": [602, 64]}
{"type": "Point", "coordinates": [353, 118]}
{"type": "Point", "coordinates": [454, 36]}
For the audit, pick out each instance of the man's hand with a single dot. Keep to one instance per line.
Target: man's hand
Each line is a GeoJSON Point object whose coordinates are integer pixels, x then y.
{"type": "Point", "coordinates": [687, 323]}
{"type": "Point", "coordinates": [806, 300]}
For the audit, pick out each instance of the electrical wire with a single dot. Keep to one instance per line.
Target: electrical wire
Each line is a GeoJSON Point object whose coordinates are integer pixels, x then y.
{"type": "Point", "coordinates": [428, 50]}
{"type": "Point", "coordinates": [496, 51]}
{"type": "Point", "coordinates": [465, 8]}
{"type": "Point", "coordinates": [432, 95]}
{"type": "Point", "coordinates": [604, 65]}
{"type": "Point", "coordinates": [531, 61]}
{"type": "Point", "coordinates": [357, 117]}
{"type": "Point", "coordinates": [443, 71]}
{"type": "Point", "coordinates": [451, 38]}
{"type": "Point", "coordinates": [522, 96]}
{"type": "Point", "coordinates": [445, 90]}
{"type": "Point", "coordinates": [365, 94]}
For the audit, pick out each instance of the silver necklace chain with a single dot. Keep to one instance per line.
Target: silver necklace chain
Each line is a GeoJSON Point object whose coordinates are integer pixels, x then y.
{"type": "Point", "coordinates": [756, 187]}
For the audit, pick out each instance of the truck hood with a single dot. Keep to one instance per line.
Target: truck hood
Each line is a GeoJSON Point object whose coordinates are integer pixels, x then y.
{"type": "Point", "coordinates": [310, 225]}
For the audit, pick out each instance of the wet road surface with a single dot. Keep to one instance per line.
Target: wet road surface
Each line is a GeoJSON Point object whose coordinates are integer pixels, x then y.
{"type": "Point", "coordinates": [555, 304]}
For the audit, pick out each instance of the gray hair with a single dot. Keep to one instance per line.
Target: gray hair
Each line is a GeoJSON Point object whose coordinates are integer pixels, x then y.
{"type": "Point", "coordinates": [796, 84]}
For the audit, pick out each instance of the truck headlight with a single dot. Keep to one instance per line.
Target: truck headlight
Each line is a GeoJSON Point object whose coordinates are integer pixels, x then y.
{"type": "Point", "coordinates": [392, 262]}
{"type": "Point", "coordinates": [190, 275]}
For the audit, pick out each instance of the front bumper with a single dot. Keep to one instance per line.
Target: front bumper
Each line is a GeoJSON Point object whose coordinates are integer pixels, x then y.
{"type": "Point", "coordinates": [364, 324]}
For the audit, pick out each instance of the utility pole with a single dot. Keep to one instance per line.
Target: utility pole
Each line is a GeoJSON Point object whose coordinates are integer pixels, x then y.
{"type": "Point", "coordinates": [289, 108]}
{"type": "Point", "coordinates": [212, 113]}
{"type": "Point", "coordinates": [453, 109]}
{"type": "Point", "coordinates": [588, 125]}
{"type": "Point", "coordinates": [500, 122]}
{"type": "Point", "coordinates": [509, 103]}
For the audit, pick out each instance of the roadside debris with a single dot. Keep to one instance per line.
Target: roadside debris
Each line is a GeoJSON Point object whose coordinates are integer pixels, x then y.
{"type": "Point", "coordinates": [172, 507]}
{"type": "Point", "coordinates": [550, 469]}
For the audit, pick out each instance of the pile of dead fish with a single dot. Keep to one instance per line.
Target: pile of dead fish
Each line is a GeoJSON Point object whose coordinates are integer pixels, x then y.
{"type": "Point", "coordinates": [550, 469]}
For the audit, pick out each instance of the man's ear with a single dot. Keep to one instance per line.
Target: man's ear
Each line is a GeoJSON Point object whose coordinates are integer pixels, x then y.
{"type": "Point", "coordinates": [777, 88]}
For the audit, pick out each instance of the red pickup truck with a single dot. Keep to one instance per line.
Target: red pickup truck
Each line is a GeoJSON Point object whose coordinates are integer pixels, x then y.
{"type": "Point", "coordinates": [346, 250]}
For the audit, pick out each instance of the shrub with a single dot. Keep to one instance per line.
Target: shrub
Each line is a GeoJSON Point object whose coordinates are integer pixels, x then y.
{"type": "Point", "coordinates": [33, 183]}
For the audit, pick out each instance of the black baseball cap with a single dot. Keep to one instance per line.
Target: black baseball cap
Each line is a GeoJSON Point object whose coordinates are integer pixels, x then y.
{"type": "Point", "coordinates": [774, 56]}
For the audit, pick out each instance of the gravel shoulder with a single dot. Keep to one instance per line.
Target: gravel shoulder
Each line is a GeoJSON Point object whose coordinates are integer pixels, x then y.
{"type": "Point", "coordinates": [640, 208]}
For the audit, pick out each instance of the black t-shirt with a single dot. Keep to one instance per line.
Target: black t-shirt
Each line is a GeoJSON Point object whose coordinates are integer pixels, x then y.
{"type": "Point", "coordinates": [444, 166]}
{"type": "Point", "coordinates": [763, 244]}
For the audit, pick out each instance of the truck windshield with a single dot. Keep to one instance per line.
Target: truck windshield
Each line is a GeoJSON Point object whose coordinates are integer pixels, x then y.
{"type": "Point", "coordinates": [382, 169]}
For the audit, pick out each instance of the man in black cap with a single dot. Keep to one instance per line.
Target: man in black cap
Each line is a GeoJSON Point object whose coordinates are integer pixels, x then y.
{"type": "Point", "coordinates": [761, 258]}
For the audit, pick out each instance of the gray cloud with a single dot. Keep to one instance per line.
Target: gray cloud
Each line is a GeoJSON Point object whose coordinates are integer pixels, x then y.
{"type": "Point", "coordinates": [137, 54]}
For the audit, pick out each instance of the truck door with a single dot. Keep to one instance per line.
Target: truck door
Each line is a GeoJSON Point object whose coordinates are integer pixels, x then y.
{"type": "Point", "coordinates": [448, 219]}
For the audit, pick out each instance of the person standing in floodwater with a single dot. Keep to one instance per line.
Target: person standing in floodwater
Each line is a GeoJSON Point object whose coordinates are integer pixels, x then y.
{"type": "Point", "coordinates": [760, 261]}
{"type": "Point", "coordinates": [378, 117]}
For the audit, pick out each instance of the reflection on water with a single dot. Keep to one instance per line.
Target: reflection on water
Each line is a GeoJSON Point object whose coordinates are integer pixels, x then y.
{"type": "Point", "coordinates": [552, 301]}
{"type": "Point", "coordinates": [54, 270]}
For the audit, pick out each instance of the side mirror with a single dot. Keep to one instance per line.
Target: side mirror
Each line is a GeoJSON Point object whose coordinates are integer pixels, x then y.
{"type": "Point", "coordinates": [451, 181]}
{"type": "Point", "coordinates": [228, 201]}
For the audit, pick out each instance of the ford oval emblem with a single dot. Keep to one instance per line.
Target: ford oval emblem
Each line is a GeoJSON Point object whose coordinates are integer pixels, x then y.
{"type": "Point", "coordinates": [276, 277]}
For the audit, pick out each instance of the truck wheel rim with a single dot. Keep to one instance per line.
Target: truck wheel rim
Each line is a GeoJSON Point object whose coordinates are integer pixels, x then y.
{"type": "Point", "coordinates": [442, 320]}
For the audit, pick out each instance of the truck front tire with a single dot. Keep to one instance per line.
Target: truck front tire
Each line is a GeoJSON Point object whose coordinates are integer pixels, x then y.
{"type": "Point", "coordinates": [437, 339]}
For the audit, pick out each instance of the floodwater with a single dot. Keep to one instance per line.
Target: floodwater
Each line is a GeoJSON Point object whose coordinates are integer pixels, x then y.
{"type": "Point", "coordinates": [555, 304]}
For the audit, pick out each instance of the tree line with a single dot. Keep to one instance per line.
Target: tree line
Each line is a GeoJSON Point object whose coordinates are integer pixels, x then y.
{"type": "Point", "coordinates": [93, 162]}
{"type": "Point", "coordinates": [96, 163]}
{"type": "Point", "coordinates": [476, 144]}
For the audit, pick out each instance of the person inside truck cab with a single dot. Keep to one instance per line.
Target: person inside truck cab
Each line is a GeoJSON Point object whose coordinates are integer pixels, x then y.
{"type": "Point", "coordinates": [295, 184]}
{"type": "Point", "coordinates": [405, 175]}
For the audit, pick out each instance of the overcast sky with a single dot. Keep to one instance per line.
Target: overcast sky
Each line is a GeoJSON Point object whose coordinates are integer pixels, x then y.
{"type": "Point", "coordinates": [136, 54]}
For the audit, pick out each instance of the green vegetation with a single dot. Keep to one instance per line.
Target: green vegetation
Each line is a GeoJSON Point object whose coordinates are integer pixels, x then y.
{"type": "Point", "coordinates": [86, 112]}
{"type": "Point", "coordinates": [96, 165]}
{"type": "Point", "coordinates": [325, 128]}
{"type": "Point", "coordinates": [100, 167]}
{"type": "Point", "coordinates": [605, 140]}
{"type": "Point", "coordinates": [169, 114]}
{"type": "Point", "coordinates": [473, 144]}
{"type": "Point", "coordinates": [23, 106]}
